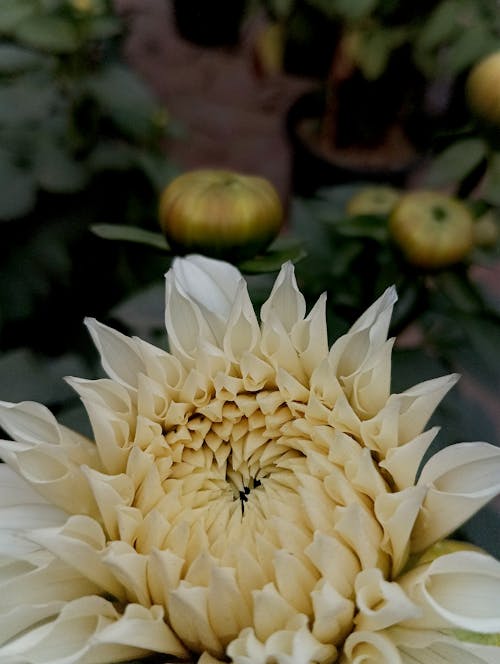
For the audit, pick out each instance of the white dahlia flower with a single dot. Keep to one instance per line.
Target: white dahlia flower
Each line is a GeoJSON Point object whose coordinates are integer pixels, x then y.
{"type": "Point", "coordinates": [251, 496]}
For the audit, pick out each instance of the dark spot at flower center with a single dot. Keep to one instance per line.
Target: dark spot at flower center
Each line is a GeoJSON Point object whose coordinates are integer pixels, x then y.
{"type": "Point", "coordinates": [243, 495]}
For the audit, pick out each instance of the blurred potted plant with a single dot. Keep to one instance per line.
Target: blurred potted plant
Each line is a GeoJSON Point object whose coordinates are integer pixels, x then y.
{"type": "Point", "coordinates": [389, 83]}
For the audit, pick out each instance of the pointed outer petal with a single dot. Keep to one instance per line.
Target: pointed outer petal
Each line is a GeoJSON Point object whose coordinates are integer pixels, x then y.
{"type": "Point", "coordinates": [120, 357]}
{"type": "Point", "coordinates": [271, 612]}
{"type": "Point", "coordinates": [310, 336]}
{"type": "Point", "coordinates": [460, 480]}
{"type": "Point", "coordinates": [15, 491]}
{"type": "Point", "coordinates": [336, 562]}
{"type": "Point", "coordinates": [381, 603]}
{"type": "Point", "coordinates": [104, 392]}
{"type": "Point", "coordinates": [80, 543]}
{"type": "Point", "coordinates": [364, 475]}
{"type": "Point", "coordinates": [371, 648]}
{"type": "Point", "coordinates": [32, 423]}
{"type": "Point", "coordinates": [111, 434]}
{"type": "Point", "coordinates": [130, 569]}
{"type": "Point", "coordinates": [370, 386]}
{"type": "Point", "coordinates": [294, 580]}
{"type": "Point", "coordinates": [396, 513]}
{"type": "Point", "coordinates": [21, 518]}
{"type": "Point", "coordinates": [242, 328]}
{"type": "Point", "coordinates": [256, 374]}
{"type": "Point", "coordinates": [426, 647]}
{"type": "Point", "coordinates": [381, 432]}
{"type": "Point", "coordinates": [51, 474]}
{"type": "Point", "coordinates": [23, 617]}
{"type": "Point", "coordinates": [110, 492]}
{"type": "Point", "coordinates": [343, 417]}
{"type": "Point", "coordinates": [418, 403]}
{"type": "Point", "coordinates": [228, 614]}
{"type": "Point", "coordinates": [276, 346]}
{"type": "Point", "coordinates": [290, 388]}
{"type": "Point", "coordinates": [459, 589]}
{"type": "Point", "coordinates": [362, 533]}
{"type": "Point", "coordinates": [208, 281]}
{"type": "Point", "coordinates": [333, 614]}
{"type": "Point", "coordinates": [210, 360]}
{"type": "Point", "coordinates": [54, 581]}
{"type": "Point", "coordinates": [144, 629]}
{"type": "Point", "coordinates": [163, 574]}
{"type": "Point", "coordinates": [246, 649]}
{"type": "Point", "coordinates": [403, 462]}
{"type": "Point", "coordinates": [286, 302]}
{"type": "Point", "coordinates": [189, 619]}
{"type": "Point", "coordinates": [161, 366]}
{"type": "Point", "coordinates": [324, 384]}
{"type": "Point", "coordinates": [365, 337]}
{"type": "Point", "coordinates": [185, 322]}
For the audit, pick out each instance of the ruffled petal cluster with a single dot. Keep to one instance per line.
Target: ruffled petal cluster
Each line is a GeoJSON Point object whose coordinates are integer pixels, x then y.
{"type": "Point", "coordinates": [252, 495]}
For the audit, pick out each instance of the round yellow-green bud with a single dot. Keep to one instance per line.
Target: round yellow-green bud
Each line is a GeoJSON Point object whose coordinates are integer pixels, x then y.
{"type": "Point", "coordinates": [377, 200]}
{"type": "Point", "coordinates": [432, 230]}
{"type": "Point", "coordinates": [220, 213]}
{"type": "Point", "coordinates": [483, 89]}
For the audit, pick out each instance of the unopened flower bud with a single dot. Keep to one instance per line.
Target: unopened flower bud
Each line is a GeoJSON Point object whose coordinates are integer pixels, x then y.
{"type": "Point", "coordinates": [220, 213]}
{"type": "Point", "coordinates": [432, 230]}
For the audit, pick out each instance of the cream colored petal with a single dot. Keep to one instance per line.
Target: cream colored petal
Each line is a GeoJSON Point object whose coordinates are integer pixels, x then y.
{"type": "Point", "coordinates": [362, 533]}
{"type": "Point", "coordinates": [427, 647]}
{"type": "Point", "coordinates": [271, 611]}
{"type": "Point", "coordinates": [336, 562]}
{"type": "Point", "coordinates": [21, 618]}
{"type": "Point", "coordinates": [403, 462]}
{"type": "Point", "coordinates": [15, 491]}
{"type": "Point", "coordinates": [16, 520]}
{"type": "Point", "coordinates": [285, 302]}
{"type": "Point", "coordinates": [184, 322]}
{"type": "Point", "coordinates": [104, 392]}
{"type": "Point", "coordinates": [396, 513]}
{"type": "Point", "coordinates": [418, 403]}
{"type": "Point", "coordinates": [294, 645]}
{"type": "Point", "coordinates": [111, 434]}
{"type": "Point", "coordinates": [120, 357]}
{"type": "Point", "coordinates": [294, 580]}
{"type": "Point", "coordinates": [242, 330]}
{"type": "Point", "coordinates": [50, 472]}
{"type": "Point", "coordinates": [367, 647]}
{"type": "Point", "coordinates": [227, 611]}
{"type": "Point", "coordinates": [364, 338]}
{"type": "Point", "coordinates": [333, 614]}
{"type": "Point", "coordinates": [310, 336]}
{"type": "Point", "coordinates": [278, 349]}
{"type": "Point", "coordinates": [110, 492]}
{"type": "Point", "coordinates": [206, 658]}
{"type": "Point", "coordinates": [81, 543]}
{"type": "Point", "coordinates": [381, 603]}
{"type": "Point", "coordinates": [130, 569]}
{"type": "Point", "coordinates": [460, 480]}
{"type": "Point", "coordinates": [369, 386]}
{"type": "Point", "coordinates": [207, 281]}
{"type": "Point", "coordinates": [459, 589]}
{"type": "Point", "coordinates": [189, 619]}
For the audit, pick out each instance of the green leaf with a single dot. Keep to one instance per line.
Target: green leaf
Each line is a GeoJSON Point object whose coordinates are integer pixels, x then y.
{"type": "Point", "coordinates": [158, 168]}
{"type": "Point", "coordinates": [144, 311]}
{"type": "Point", "coordinates": [104, 27]}
{"type": "Point", "coordinates": [376, 48]}
{"type": "Point", "coordinates": [18, 189]}
{"type": "Point", "coordinates": [48, 33]}
{"type": "Point", "coordinates": [471, 45]}
{"type": "Point", "coordinates": [130, 234]}
{"type": "Point", "coordinates": [455, 162]}
{"type": "Point", "coordinates": [125, 98]}
{"type": "Point", "coordinates": [349, 9]}
{"type": "Point", "coordinates": [363, 226]}
{"type": "Point", "coordinates": [491, 190]}
{"type": "Point", "coordinates": [272, 260]}
{"type": "Point", "coordinates": [439, 27]}
{"type": "Point", "coordinates": [16, 59]}
{"type": "Point", "coordinates": [27, 100]}
{"type": "Point", "coordinates": [13, 12]}
{"type": "Point", "coordinates": [55, 169]}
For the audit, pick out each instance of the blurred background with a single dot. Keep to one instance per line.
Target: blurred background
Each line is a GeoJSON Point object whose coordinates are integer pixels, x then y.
{"type": "Point", "coordinates": [345, 106]}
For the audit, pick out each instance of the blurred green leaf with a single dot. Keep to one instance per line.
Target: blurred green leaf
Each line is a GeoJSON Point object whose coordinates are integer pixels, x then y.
{"type": "Point", "coordinates": [27, 100]}
{"type": "Point", "coordinates": [363, 226]}
{"type": "Point", "coordinates": [16, 59]}
{"type": "Point", "coordinates": [143, 312]}
{"type": "Point", "coordinates": [112, 155]}
{"type": "Point", "coordinates": [375, 49]}
{"type": "Point", "coordinates": [53, 34]}
{"type": "Point", "coordinates": [55, 169]}
{"type": "Point", "coordinates": [130, 234]}
{"type": "Point", "coordinates": [103, 27]}
{"type": "Point", "coordinates": [272, 260]}
{"type": "Point", "coordinates": [491, 189]}
{"type": "Point", "coordinates": [349, 9]}
{"type": "Point", "coordinates": [13, 12]}
{"type": "Point", "coordinates": [440, 26]}
{"type": "Point", "coordinates": [455, 162]}
{"type": "Point", "coordinates": [160, 170]}
{"type": "Point", "coordinates": [125, 98]}
{"type": "Point", "coordinates": [459, 290]}
{"type": "Point", "coordinates": [18, 189]}
{"type": "Point", "coordinates": [470, 45]}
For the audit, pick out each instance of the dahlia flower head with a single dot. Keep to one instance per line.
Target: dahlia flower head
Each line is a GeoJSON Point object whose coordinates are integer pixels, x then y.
{"type": "Point", "coordinates": [251, 496]}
